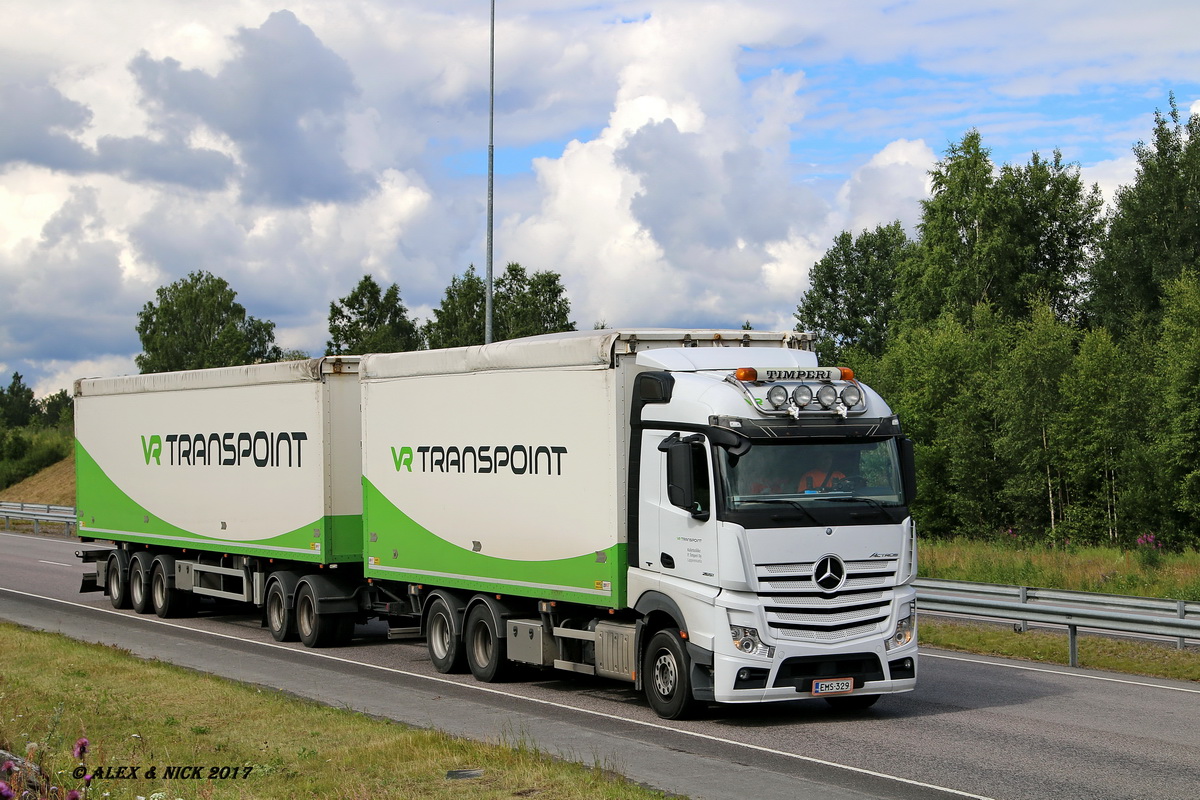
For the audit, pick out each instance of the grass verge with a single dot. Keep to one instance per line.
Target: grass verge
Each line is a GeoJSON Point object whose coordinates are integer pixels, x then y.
{"type": "Point", "coordinates": [1144, 572]}
{"type": "Point", "coordinates": [1095, 652]}
{"type": "Point", "coordinates": [136, 713]}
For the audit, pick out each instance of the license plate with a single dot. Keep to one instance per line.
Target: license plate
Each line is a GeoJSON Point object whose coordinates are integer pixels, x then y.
{"type": "Point", "coordinates": [833, 686]}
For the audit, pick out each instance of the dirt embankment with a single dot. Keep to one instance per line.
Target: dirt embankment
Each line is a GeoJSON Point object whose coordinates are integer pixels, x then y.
{"type": "Point", "coordinates": [55, 485]}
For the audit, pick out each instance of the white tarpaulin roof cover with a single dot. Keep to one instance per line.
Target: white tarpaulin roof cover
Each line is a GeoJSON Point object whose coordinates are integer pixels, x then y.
{"type": "Point", "coordinates": [222, 377]}
{"type": "Point", "coordinates": [595, 348]}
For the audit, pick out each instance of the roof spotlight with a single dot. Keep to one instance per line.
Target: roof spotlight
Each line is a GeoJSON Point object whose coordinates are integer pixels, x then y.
{"type": "Point", "coordinates": [827, 396]}
{"type": "Point", "coordinates": [777, 395]}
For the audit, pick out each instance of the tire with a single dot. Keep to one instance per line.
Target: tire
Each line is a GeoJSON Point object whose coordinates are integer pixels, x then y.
{"type": "Point", "coordinates": [139, 583]}
{"type": "Point", "coordinates": [167, 602]}
{"type": "Point", "coordinates": [280, 619]}
{"type": "Point", "coordinates": [117, 583]}
{"type": "Point", "coordinates": [854, 702]}
{"type": "Point", "coordinates": [666, 676]}
{"type": "Point", "coordinates": [446, 650]}
{"type": "Point", "coordinates": [317, 630]}
{"type": "Point", "coordinates": [484, 646]}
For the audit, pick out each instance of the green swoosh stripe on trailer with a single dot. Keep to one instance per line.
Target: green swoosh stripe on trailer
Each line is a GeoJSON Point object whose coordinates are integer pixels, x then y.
{"type": "Point", "coordinates": [423, 557]}
{"type": "Point", "coordinates": [105, 511]}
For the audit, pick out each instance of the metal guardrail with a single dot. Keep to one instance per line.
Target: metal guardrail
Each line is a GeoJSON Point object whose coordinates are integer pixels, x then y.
{"type": "Point", "coordinates": [1110, 613]}
{"type": "Point", "coordinates": [38, 513]}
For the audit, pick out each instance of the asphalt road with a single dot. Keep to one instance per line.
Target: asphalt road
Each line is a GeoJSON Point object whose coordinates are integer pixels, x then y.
{"type": "Point", "coordinates": [975, 727]}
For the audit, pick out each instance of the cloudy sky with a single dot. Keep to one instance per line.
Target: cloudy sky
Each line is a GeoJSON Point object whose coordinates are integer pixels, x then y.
{"type": "Point", "coordinates": [680, 162]}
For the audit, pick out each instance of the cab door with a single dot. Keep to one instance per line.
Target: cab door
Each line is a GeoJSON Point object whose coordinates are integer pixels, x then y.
{"type": "Point", "coordinates": [677, 524]}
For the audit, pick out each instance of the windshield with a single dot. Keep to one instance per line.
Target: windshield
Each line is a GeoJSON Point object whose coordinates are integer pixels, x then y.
{"type": "Point", "coordinates": [814, 483]}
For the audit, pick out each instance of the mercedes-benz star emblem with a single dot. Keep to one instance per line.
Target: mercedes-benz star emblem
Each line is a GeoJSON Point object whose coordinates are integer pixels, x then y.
{"type": "Point", "coordinates": [829, 573]}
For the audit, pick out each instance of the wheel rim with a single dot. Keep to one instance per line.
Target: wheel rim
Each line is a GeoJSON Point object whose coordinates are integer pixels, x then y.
{"type": "Point", "coordinates": [482, 644]}
{"type": "Point", "coordinates": [137, 584]}
{"type": "Point", "coordinates": [275, 610]}
{"type": "Point", "coordinates": [305, 615]}
{"type": "Point", "coordinates": [114, 578]}
{"type": "Point", "coordinates": [666, 674]}
{"type": "Point", "coordinates": [439, 634]}
{"type": "Point", "coordinates": [159, 587]}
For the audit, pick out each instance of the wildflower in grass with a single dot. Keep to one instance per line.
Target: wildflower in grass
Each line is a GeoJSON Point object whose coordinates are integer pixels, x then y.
{"type": "Point", "coordinates": [7, 767]}
{"type": "Point", "coordinates": [81, 748]}
{"type": "Point", "coordinates": [6, 792]}
{"type": "Point", "coordinates": [73, 794]}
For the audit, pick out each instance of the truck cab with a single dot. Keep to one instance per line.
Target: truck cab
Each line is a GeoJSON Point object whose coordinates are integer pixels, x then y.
{"type": "Point", "coordinates": [773, 513]}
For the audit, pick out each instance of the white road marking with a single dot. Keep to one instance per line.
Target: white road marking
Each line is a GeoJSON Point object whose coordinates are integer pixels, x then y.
{"type": "Point", "coordinates": [489, 690]}
{"type": "Point", "coordinates": [57, 563]}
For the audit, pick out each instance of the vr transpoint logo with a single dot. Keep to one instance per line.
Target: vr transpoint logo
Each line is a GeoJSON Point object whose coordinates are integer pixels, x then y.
{"type": "Point", "coordinates": [519, 459]}
{"type": "Point", "coordinates": [261, 448]}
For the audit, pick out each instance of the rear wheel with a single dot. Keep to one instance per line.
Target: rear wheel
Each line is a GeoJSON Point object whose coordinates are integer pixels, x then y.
{"type": "Point", "coordinates": [280, 619]}
{"type": "Point", "coordinates": [666, 671]}
{"type": "Point", "coordinates": [319, 630]}
{"type": "Point", "coordinates": [117, 582]}
{"type": "Point", "coordinates": [139, 583]}
{"type": "Point", "coordinates": [446, 650]}
{"type": "Point", "coordinates": [167, 602]}
{"type": "Point", "coordinates": [485, 649]}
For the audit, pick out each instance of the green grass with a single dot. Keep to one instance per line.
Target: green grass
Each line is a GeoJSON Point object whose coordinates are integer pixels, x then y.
{"type": "Point", "coordinates": [138, 713]}
{"type": "Point", "coordinates": [1139, 572]}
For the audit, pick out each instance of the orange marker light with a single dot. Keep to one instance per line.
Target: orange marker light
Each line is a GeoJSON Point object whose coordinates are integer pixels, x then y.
{"type": "Point", "coordinates": [847, 373]}
{"type": "Point", "coordinates": [747, 374]}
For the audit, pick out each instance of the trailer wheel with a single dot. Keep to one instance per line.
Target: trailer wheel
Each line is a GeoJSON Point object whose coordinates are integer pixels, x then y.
{"type": "Point", "coordinates": [117, 582]}
{"type": "Point", "coordinates": [484, 646]}
{"type": "Point", "coordinates": [280, 619]}
{"type": "Point", "coordinates": [167, 602]}
{"type": "Point", "coordinates": [666, 676]}
{"type": "Point", "coordinates": [317, 630]}
{"type": "Point", "coordinates": [139, 583]}
{"type": "Point", "coordinates": [446, 650]}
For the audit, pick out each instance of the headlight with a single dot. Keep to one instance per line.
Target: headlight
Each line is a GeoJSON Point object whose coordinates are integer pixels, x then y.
{"type": "Point", "coordinates": [827, 396]}
{"type": "Point", "coordinates": [851, 396]}
{"type": "Point", "coordinates": [906, 629]}
{"type": "Point", "coordinates": [802, 396]}
{"type": "Point", "coordinates": [747, 641]}
{"type": "Point", "coordinates": [777, 395]}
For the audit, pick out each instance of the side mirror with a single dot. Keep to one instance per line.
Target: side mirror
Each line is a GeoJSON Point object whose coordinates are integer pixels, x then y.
{"type": "Point", "coordinates": [687, 473]}
{"type": "Point", "coordinates": [908, 470]}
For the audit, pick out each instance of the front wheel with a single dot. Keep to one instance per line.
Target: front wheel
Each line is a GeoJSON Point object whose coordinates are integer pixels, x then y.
{"type": "Point", "coordinates": [666, 676]}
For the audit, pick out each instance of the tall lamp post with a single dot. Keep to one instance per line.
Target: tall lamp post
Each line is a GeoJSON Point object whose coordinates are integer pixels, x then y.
{"type": "Point", "coordinates": [487, 325]}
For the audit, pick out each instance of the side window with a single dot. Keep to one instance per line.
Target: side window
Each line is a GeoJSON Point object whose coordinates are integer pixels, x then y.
{"type": "Point", "coordinates": [687, 473]}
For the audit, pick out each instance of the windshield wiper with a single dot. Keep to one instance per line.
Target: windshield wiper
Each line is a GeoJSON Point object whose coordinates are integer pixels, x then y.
{"type": "Point", "coordinates": [878, 506]}
{"type": "Point", "coordinates": [796, 504]}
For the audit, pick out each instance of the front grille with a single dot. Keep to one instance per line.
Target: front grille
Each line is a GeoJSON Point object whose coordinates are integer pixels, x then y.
{"type": "Point", "coordinates": [800, 610]}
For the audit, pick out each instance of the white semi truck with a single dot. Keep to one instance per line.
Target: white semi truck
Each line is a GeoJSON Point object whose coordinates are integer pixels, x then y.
{"type": "Point", "coordinates": [709, 515]}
